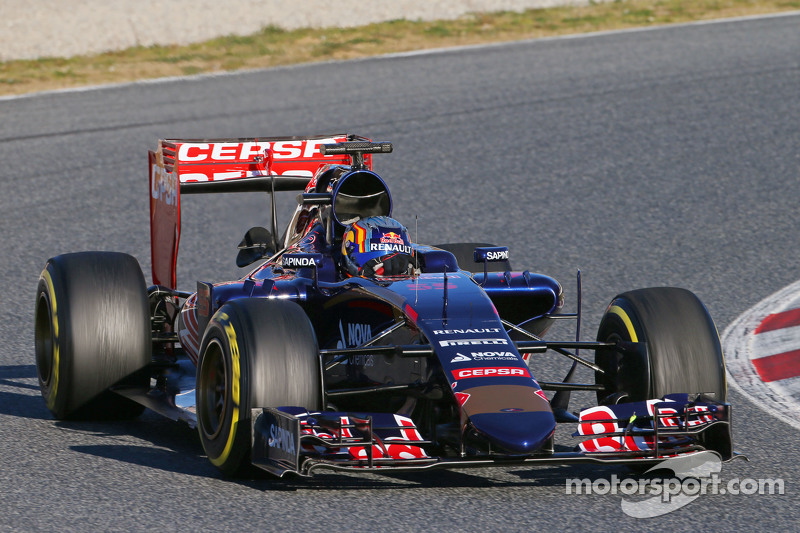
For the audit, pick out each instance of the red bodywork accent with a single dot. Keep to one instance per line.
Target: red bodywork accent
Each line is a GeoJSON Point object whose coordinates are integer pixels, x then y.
{"type": "Point", "coordinates": [410, 313]}
{"type": "Point", "coordinates": [490, 372]}
{"type": "Point", "coordinates": [165, 221]}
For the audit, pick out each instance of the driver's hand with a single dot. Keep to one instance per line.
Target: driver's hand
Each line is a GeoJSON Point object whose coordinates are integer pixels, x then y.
{"type": "Point", "coordinates": [389, 265]}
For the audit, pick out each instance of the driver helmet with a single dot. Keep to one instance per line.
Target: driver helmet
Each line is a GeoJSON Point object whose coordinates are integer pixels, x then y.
{"type": "Point", "coordinates": [377, 247]}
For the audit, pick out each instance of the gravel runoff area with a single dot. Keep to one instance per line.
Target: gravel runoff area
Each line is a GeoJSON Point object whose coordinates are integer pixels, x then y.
{"type": "Point", "coordinates": [64, 28]}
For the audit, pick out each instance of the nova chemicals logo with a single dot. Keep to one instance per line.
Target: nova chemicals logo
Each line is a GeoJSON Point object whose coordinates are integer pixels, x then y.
{"type": "Point", "coordinates": [357, 334]}
{"type": "Point", "coordinates": [460, 358]}
{"type": "Point", "coordinates": [487, 356]}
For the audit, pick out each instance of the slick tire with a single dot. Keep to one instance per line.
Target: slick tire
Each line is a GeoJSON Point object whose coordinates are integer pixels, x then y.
{"type": "Point", "coordinates": [465, 257]}
{"type": "Point", "coordinates": [682, 355]}
{"type": "Point", "coordinates": [92, 331]}
{"type": "Point", "coordinates": [255, 353]}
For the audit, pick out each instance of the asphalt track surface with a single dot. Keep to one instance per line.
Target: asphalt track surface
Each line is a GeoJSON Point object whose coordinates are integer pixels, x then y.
{"type": "Point", "coordinates": [646, 158]}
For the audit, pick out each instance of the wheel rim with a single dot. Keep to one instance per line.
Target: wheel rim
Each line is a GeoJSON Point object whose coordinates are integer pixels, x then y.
{"type": "Point", "coordinates": [44, 341]}
{"type": "Point", "coordinates": [213, 389]}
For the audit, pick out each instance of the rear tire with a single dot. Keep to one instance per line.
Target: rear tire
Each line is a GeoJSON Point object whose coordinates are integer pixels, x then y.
{"type": "Point", "coordinates": [465, 257]}
{"type": "Point", "coordinates": [255, 353]}
{"type": "Point", "coordinates": [683, 349]}
{"type": "Point", "coordinates": [92, 325]}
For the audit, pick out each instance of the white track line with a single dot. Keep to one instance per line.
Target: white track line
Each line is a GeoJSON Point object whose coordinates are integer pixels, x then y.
{"type": "Point", "coordinates": [780, 399]}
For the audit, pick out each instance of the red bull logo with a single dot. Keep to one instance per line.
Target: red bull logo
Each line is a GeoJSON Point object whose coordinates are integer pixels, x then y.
{"type": "Point", "coordinates": [391, 237]}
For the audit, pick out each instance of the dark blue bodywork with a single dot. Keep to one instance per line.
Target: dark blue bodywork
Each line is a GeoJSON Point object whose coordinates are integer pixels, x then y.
{"type": "Point", "coordinates": [457, 314]}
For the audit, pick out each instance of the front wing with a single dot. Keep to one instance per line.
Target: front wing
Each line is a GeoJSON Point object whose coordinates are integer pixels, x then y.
{"type": "Point", "coordinates": [292, 440]}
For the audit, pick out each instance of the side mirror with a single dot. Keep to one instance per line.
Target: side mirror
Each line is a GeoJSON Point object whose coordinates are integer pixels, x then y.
{"type": "Point", "coordinates": [494, 254]}
{"type": "Point", "coordinates": [256, 244]}
{"type": "Point", "coordinates": [491, 254]}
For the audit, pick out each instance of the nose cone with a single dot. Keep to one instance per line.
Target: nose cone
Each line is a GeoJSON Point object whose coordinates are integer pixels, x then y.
{"type": "Point", "coordinates": [516, 433]}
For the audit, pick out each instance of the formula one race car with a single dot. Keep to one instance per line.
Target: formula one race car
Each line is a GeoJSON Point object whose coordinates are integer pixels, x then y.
{"type": "Point", "coordinates": [350, 347]}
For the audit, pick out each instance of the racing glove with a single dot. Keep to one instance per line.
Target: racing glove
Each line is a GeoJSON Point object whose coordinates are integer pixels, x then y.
{"type": "Point", "coordinates": [389, 265]}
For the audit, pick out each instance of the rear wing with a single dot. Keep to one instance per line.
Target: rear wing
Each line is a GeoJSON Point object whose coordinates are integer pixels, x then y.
{"type": "Point", "coordinates": [196, 166]}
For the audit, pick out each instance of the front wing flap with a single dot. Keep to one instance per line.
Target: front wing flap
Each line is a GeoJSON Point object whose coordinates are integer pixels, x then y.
{"type": "Point", "coordinates": [672, 425]}
{"type": "Point", "coordinates": [290, 439]}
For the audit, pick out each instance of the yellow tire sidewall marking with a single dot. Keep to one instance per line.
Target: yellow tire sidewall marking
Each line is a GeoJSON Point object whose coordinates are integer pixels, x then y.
{"type": "Point", "coordinates": [616, 310]}
{"type": "Point", "coordinates": [51, 396]}
{"type": "Point", "coordinates": [233, 345]}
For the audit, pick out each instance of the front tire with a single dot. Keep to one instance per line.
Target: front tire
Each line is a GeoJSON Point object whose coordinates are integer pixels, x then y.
{"type": "Point", "coordinates": [92, 330]}
{"type": "Point", "coordinates": [255, 353]}
{"type": "Point", "coordinates": [683, 352]}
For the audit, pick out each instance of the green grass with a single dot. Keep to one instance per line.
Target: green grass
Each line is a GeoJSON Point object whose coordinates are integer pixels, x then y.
{"type": "Point", "coordinates": [273, 46]}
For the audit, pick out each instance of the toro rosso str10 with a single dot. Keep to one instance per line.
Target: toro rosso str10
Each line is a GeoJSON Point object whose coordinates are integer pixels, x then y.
{"type": "Point", "coordinates": [349, 346]}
